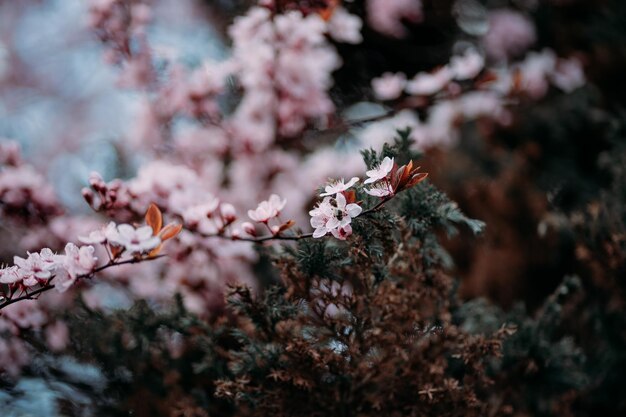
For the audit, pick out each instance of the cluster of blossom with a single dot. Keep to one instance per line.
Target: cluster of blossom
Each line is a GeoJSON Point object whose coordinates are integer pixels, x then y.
{"type": "Point", "coordinates": [38, 269]}
{"type": "Point", "coordinates": [264, 213]}
{"type": "Point", "coordinates": [284, 64]}
{"type": "Point", "coordinates": [280, 90]}
{"type": "Point", "coordinates": [282, 61]}
{"type": "Point", "coordinates": [25, 194]}
{"type": "Point", "coordinates": [464, 67]}
{"type": "Point", "coordinates": [335, 212]}
{"type": "Point", "coordinates": [121, 25]}
{"type": "Point", "coordinates": [209, 253]}
{"type": "Point", "coordinates": [44, 270]}
{"type": "Point", "coordinates": [531, 76]}
{"type": "Point", "coordinates": [485, 95]}
{"type": "Point", "coordinates": [464, 89]}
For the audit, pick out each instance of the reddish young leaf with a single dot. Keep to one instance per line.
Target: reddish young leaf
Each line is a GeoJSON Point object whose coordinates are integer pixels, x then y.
{"type": "Point", "coordinates": [170, 231]}
{"type": "Point", "coordinates": [154, 218]}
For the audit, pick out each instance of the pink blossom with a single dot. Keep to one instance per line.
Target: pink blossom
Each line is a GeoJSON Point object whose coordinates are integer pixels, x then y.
{"type": "Point", "coordinates": [267, 209]}
{"type": "Point", "coordinates": [426, 84]}
{"type": "Point", "coordinates": [338, 186]}
{"type": "Point", "coordinates": [534, 72]}
{"type": "Point", "coordinates": [468, 65]}
{"type": "Point", "coordinates": [568, 75]}
{"type": "Point", "coordinates": [133, 241]}
{"type": "Point", "coordinates": [77, 262]}
{"type": "Point", "coordinates": [323, 218]}
{"type": "Point", "coordinates": [386, 16]}
{"type": "Point", "coordinates": [98, 236]}
{"type": "Point", "coordinates": [334, 218]}
{"type": "Point", "coordinates": [380, 172]}
{"type": "Point", "coordinates": [248, 228]}
{"type": "Point", "coordinates": [13, 355]}
{"type": "Point", "coordinates": [389, 86]}
{"type": "Point", "coordinates": [342, 232]}
{"type": "Point", "coordinates": [193, 215]}
{"type": "Point", "coordinates": [25, 315]}
{"type": "Point", "coordinates": [510, 34]}
{"type": "Point", "coordinates": [284, 65]}
{"type": "Point", "coordinates": [34, 269]}
{"type": "Point", "coordinates": [345, 27]}
{"type": "Point", "coordinates": [10, 275]}
{"type": "Point", "coordinates": [57, 336]}
{"type": "Point", "coordinates": [229, 213]}
{"type": "Point", "coordinates": [345, 212]}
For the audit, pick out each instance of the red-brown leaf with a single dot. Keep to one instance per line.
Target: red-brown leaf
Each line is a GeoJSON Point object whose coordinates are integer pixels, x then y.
{"type": "Point", "coordinates": [154, 218]}
{"type": "Point", "coordinates": [170, 231]}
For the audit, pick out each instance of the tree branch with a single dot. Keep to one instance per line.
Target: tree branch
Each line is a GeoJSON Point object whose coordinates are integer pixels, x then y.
{"type": "Point", "coordinates": [48, 285]}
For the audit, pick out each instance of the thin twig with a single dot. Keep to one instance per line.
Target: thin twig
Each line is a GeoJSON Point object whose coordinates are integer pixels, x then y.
{"type": "Point", "coordinates": [300, 236]}
{"type": "Point", "coordinates": [48, 286]}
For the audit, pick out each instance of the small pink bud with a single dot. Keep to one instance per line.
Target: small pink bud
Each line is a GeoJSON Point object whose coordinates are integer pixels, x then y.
{"type": "Point", "coordinates": [248, 228]}
{"type": "Point", "coordinates": [275, 229]}
{"type": "Point", "coordinates": [96, 182]}
{"type": "Point", "coordinates": [228, 212]}
{"type": "Point", "coordinates": [88, 196]}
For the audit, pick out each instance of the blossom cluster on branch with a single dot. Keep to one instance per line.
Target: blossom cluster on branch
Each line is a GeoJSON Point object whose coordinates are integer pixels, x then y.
{"type": "Point", "coordinates": [25, 195]}
{"type": "Point", "coordinates": [34, 274]}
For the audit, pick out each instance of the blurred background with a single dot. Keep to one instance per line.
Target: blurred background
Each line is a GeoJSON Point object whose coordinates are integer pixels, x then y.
{"type": "Point", "coordinates": [549, 179]}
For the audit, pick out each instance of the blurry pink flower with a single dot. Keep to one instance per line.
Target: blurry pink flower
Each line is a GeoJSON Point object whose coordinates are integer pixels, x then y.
{"type": "Point", "coordinates": [13, 355]}
{"type": "Point", "coordinates": [134, 241]}
{"type": "Point", "coordinates": [510, 34]}
{"type": "Point", "coordinates": [229, 214]}
{"type": "Point", "coordinates": [389, 86]}
{"type": "Point", "coordinates": [345, 27]}
{"type": "Point", "coordinates": [338, 187]}
{"type": "Point", "coordinates": [534, 72]}
{"type": "Point", "coordinates": [195, 214]}
{"type": "Point", "coordinates": [468, 65]}
{"type": "Point", "coordinates": [248, 228]}
{"type": "Point", "coordinates": [98, 236]}
{"type": "Point", "coordinates": [10, 275]}
{"type": "Point", "coordinates": [79, 260]}
{"type": "Point", "coordinates": [380, 171]}
{"type": "Point", "coordinates": [267, 209]}
{"type": "Point", "coordinates": [568, 75]}
{"type": "Point", "coordinates": [426, 83]}
{"type": "Point", "coordinates": [10, 152]}
{"type": "Point", "coordinates": [57, 336]}
{"type": "Point", "coordinates": [34, 269]}
{"type": "Point", "coordinates": [76, 262]}
{"type": "Point", "coordinates": [25, 315]}
{"type": "Point", "coordinates": [386, 16]}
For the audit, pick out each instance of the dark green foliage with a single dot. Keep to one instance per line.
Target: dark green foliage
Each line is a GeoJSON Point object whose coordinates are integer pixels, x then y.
{"type": "Point", "coordinates": [544, 364]}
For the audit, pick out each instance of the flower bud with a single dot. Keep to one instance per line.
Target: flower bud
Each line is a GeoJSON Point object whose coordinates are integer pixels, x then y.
{"type": "Point", "coordinates": [228, 213]}
{"type": "Point", "coordinates": [248, 228]}
{"type": "Point", "coordinates": [96, 181]}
